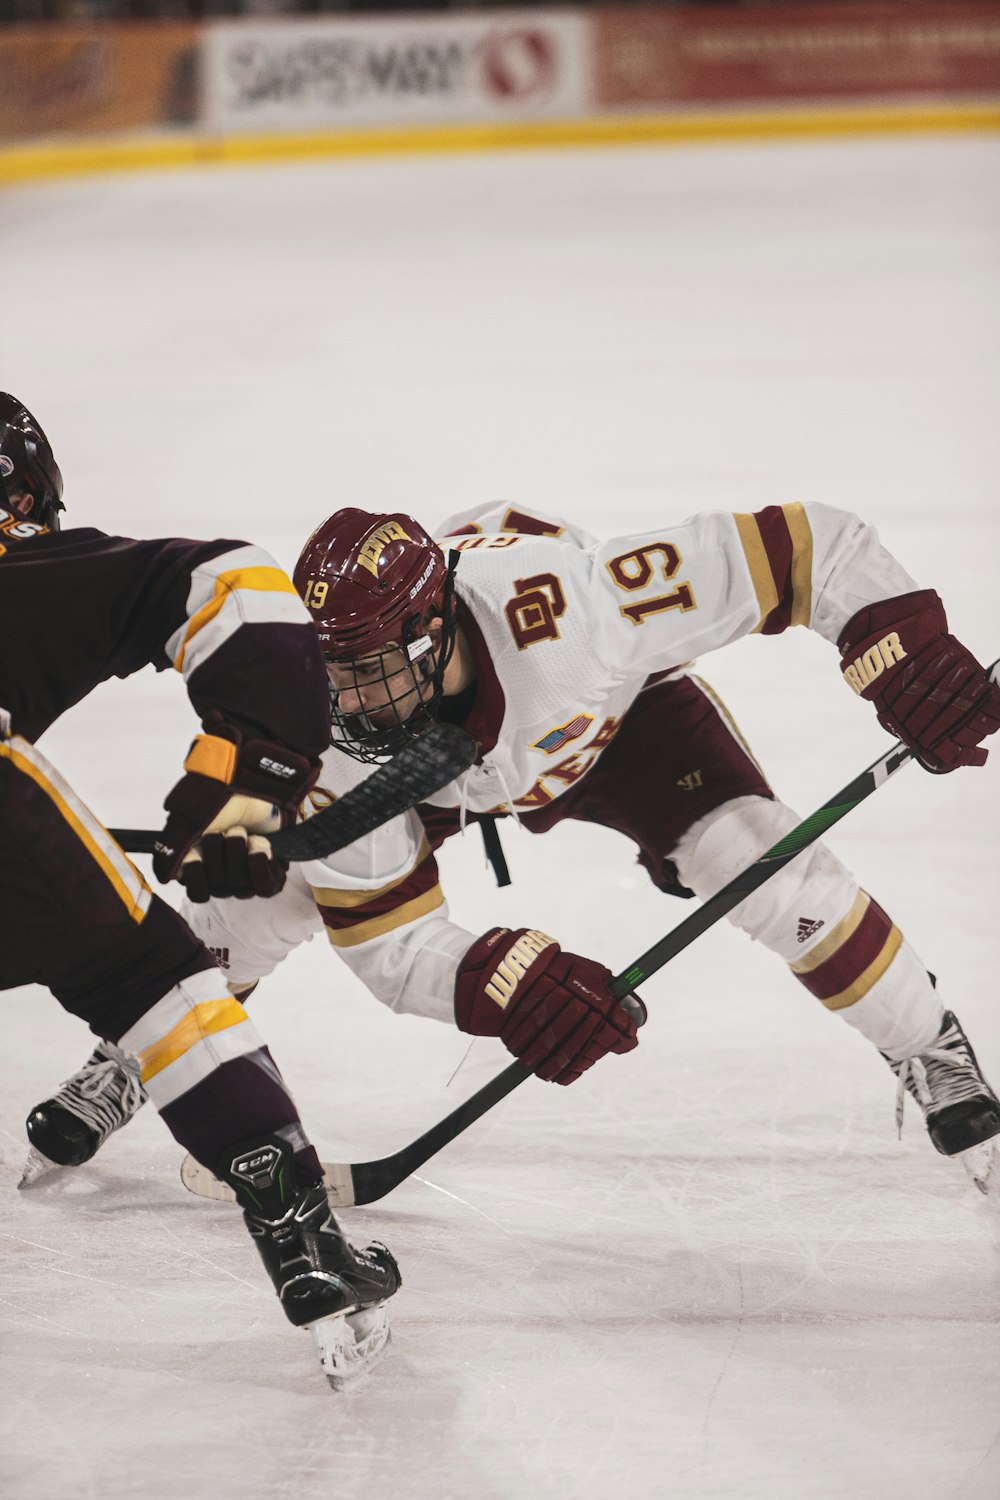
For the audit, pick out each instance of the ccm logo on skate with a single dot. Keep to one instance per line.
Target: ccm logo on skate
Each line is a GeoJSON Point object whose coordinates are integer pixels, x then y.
{"type": "Point", "coordinates": [863, 670]}
{"type": "Point", "coordinates": [257, 1168]}
{"type": "Point", "coordinates": [514, 964]}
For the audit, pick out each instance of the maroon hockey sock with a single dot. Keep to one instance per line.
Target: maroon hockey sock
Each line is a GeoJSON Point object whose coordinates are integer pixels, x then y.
{"type": "Point", "coordinates": [242, 1098]}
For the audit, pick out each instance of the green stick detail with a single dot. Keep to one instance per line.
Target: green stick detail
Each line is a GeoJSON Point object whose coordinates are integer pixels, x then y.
{"type": "Point", "coordinates": [808, 830]}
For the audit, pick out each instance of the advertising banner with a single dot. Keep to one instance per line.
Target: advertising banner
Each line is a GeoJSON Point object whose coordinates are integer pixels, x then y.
{"type": "Point", "coordinates": [650, 57]}
{"type": "Point", "coordinates": [328, 74]}
{"type": "Point", "coordinates": [94, 78]}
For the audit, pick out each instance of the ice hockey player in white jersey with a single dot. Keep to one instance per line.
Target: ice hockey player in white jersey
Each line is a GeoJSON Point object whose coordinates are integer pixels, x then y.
{"type": "Point", "coordinates": [568, 661]}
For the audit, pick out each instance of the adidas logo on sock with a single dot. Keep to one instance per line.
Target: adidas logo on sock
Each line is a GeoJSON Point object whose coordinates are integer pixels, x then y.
{"type": "Point", "coordinates": [808, 928]}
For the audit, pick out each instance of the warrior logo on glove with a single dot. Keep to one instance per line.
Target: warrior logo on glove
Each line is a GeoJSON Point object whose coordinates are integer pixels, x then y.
{"type": "Point", "coordinates": [554, 1011]}
{"type": "Point", "coordinates": [514, 965]}
{"type": "Point", "coordinates": [928, 689]}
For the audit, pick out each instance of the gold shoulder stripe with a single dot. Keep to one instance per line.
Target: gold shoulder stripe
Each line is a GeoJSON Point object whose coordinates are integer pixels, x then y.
{"type": "Point", "coordinates": [351, 937]}
{"type": "Point", "coordinates": [760, 568]}
{"type": "Point", "coordinates": [258, 580]}
{"type": "Point", "coordinates": [802, 561]}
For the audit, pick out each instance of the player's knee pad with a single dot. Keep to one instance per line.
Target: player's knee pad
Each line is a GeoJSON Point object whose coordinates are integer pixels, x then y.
{"type": "Point", "coordinates": [792, 910]}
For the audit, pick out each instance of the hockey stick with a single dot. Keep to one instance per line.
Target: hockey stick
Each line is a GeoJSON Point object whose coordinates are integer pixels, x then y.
{"type": "Point", "coordinates": [367, 1181]}
{"type": "Point", "coordinates": [422, 767]}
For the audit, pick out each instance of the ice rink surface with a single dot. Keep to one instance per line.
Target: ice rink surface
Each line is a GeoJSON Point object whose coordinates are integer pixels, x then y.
{"type": "Point", "coordinates": [710, 1269]}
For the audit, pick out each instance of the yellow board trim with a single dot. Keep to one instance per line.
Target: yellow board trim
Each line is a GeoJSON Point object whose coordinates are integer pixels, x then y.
{"type": "Point", "coordinates": [87, 156]}
{"type": "Point", "coordinates": [132, 902]}
{"type": "Point", "coordinates": [344, 900]}
{"type": "Point", "coordinates": [760, 569]}
{"type": "Point", "coordinates": [351, 937]}
{"type": "Point", "coordinates": [867, 981]}
{"type": "Point", "coordinates": [835, 938]}
{"type": "Point", "coordinates": [802, 562]}
{"type": "Point", "coordinates": [200, 1022]}
{"type": "Point", "coordinates": [261, 580]}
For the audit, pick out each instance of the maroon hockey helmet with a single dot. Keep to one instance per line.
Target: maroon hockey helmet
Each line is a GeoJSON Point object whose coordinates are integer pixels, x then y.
{"type": "Point", "coordinates": [372, 582]}
{"type": "Point", "coordinates": [27, 466]}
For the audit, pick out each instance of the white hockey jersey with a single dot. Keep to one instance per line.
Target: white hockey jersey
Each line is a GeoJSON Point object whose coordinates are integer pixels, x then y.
{"type": "Point", "coordinates": [565, 632]}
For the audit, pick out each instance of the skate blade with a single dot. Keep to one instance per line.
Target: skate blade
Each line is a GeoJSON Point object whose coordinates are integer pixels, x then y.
{"type": "Point", "coordinates": [352, 1344]}
{"type": "Point", "coordinates": [983, 1166]}
{"type": "Point", "coordinates": [35, 1167]}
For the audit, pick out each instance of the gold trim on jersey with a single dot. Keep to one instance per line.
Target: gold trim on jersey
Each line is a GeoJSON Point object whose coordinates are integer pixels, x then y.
{"type": "Point", "coordinates": [871, 976]}
{"type": "Point", "coordinates": [760, 568]}
{"type": "Point", "coordinates": [363, 932]}
{"type": "Point", "coordinates": [537, 526]}
{"type": "Point", "coordinates": [343, 900]}
{"type": "Point", "coordinates": [730, 723]}
{"type": "Point", "coordinates": [125, 879]}
{"type": "Point", "coordinates": [259, 580]}
{"type": "Point", "coordinates": [200, 1022]}
{"type": "Point", "coordinates": [835, 938]}
{"type": "Point", "coordinates": [802, 561]}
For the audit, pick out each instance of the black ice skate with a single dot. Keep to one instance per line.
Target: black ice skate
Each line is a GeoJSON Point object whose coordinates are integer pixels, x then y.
{"type": "Point", "coordinates": [69, 1128]}
{"type": "Point", "coordinates": [324, 1283]}
{"type": "Point", "coordinates": [961, 1110]}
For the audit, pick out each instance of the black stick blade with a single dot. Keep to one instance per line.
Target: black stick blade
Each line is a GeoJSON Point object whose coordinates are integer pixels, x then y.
{"type": "Point", "coordinates": [421, 768]}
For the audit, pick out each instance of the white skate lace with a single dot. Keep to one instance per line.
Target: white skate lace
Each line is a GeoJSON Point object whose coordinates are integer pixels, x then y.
{"type": "Point", "coordinates": [103, 1094]}
{"type": "Point", "coordinates": [939, 1077]}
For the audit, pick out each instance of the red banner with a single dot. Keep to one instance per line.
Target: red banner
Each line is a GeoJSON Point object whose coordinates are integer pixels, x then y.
{"type": "Point", "coordinates": [647, 57]}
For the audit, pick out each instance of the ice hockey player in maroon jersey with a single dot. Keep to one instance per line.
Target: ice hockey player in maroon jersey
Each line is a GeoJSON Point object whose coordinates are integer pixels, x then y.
{"type": "Point", "coordinates": [564, 658]}
{"type": "Point", "coordinates": [78, 607]}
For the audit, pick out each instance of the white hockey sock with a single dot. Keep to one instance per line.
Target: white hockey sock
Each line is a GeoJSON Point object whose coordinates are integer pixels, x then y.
{"type": "Point", "coordinates": [813, 915]}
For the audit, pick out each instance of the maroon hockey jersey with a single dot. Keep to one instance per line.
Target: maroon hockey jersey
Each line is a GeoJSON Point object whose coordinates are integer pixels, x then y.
{"type": "Point", "coordinates": [78, 607]}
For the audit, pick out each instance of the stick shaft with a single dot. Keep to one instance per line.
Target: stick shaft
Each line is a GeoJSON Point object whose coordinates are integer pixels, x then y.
{"type": "Point", "coordinates": [372, 1180]}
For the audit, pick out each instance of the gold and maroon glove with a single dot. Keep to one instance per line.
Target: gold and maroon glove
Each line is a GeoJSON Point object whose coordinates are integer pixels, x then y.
{"type": "Point", "coordinates": [928, 689]}
{"type": "Point", "coordinates": [235, 791]}
{"type": "Point", "coordinates": [553, 1010]}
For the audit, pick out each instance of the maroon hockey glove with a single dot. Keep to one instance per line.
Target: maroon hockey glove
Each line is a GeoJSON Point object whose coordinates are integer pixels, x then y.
{"type": "Point", "coordinates": [234, 792]}
{"type": "Point", "coordinates": [928, 689]}
{"type": "Point", "coordinates": [553, 1010]}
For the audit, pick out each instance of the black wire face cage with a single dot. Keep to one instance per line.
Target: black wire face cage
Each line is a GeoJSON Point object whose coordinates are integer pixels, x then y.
{"type": "Point", "coordinates": [408, 697]}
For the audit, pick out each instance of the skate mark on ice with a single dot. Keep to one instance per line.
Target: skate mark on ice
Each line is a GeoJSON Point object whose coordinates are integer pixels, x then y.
{"type": "Point", "coordinates": [465, 1204]}
{"type": "Point", "coordinates": [20, 1309]}
{"type": "Point", "coordinates": [737, 1335]}
{"type": "Point", "coordinates": [210, 1261]}
{"type": "Point", "coordinates": [991, 1457]}
{"type": "Point", "coordinates": [19, 1239]}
